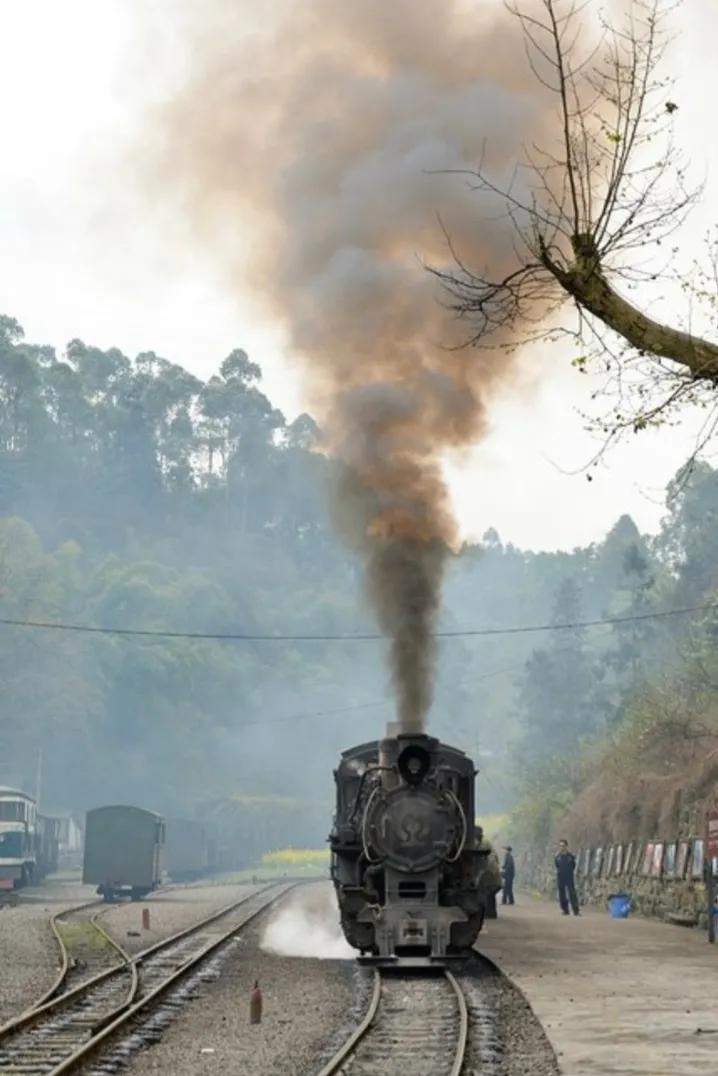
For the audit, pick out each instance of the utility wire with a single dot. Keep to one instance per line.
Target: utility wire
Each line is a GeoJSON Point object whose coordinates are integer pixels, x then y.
{"type": "Point", "coordinates": [460, 633]}
{"type": "Point", "coordinates": [381, 703]}
{"type": "Point", "coordinates": [375, 705]}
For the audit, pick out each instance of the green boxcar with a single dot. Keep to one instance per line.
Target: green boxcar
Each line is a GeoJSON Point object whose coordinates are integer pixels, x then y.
{"type": "Point", "coordinates": [188, 849]}
{"type": "Point", "coordinates": [123, 851]}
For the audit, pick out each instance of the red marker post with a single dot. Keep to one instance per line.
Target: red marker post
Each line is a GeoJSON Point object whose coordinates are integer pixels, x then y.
{"type": "Point", "coordinates": [255, 1004]}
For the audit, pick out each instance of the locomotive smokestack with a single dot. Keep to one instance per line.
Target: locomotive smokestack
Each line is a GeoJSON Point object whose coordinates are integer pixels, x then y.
{"type": "Point", "coordinates": [388, 750]}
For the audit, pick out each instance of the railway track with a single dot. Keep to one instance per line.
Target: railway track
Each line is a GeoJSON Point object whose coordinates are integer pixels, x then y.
{"type": "Point", "coordinates": [416, 1025]}
{"type": "Point", "coordinates": [85, 947]}
{"type": "Point", "coordinates": [60, 1034]}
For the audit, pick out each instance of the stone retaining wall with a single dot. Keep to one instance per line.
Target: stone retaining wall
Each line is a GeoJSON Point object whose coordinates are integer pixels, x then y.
{"type": "Point", "coordinates": [663, 879]}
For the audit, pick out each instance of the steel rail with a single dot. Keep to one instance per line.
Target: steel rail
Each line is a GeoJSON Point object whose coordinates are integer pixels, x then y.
{"type": "Point", "coordinates": [48, 996]}
{"type": "Point", "coordinates": [335, 1065]}
{"type": "Point", "coordinates": [64, 957]}
{"type": "Point", "coordinates": [30, 1016]}
{"type": "Point", "coordinates": [59, 979]}
{"type": "Point", "coordinates": [80, 1055]}
{"type": "Point", "coordinates": [359, 1032]}
{"type": "Point", "coordinates": [463, 1036]}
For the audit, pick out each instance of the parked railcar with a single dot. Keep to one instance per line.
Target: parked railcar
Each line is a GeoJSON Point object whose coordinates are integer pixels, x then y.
{"type": "Point", "coordinates": [18, 844]}
{"type": "Point", "coordinates": [189, 849]}
{"type": "Point", "coordinates": [47, 845]}
{"type": "Point", "coordinates": [123, 851]}
{"type": "Point", "coordinates": [413, 883]}
{"type": "Point", "coordinates": [244, 827]}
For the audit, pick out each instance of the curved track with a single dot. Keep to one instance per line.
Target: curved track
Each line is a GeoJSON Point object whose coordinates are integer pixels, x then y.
{"type": "Point", "coordinates": [416, 1025]}
{"type": "Point", "coordinates": [59, 1034]}
{"type": "Point", "coordinates": [85, 947]}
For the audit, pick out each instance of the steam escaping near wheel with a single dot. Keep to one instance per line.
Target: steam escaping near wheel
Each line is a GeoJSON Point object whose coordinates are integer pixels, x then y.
{"type": "Point", "coordinates": [310, 151]}
{"type": "Point", "coordinates": [412, 879]}
{"type": "Point", "coordinates": [305, 925]}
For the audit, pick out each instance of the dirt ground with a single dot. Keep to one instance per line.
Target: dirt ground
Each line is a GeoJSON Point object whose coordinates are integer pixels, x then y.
{"type": "Point", "coordinates": [631, 997]}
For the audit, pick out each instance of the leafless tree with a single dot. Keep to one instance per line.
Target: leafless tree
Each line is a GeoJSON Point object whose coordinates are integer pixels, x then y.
{"type": "Point", "coordinates": [595, 207]}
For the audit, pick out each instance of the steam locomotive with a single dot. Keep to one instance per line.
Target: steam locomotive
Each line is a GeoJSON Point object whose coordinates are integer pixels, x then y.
{"type": "Point", "coordinates": [412, 879]}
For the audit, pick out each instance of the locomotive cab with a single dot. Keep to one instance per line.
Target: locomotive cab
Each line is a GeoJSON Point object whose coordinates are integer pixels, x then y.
{"type": "Point", "coordinates": [405, 862]}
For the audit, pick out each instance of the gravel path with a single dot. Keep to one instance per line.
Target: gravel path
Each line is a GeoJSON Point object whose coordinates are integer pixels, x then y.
{"type": "Point", "coordinates": [29, 956]}
{"type": "Point", "coordinates": [170, 910]}
{"type": "Point", "coordinates": [306, 1002]}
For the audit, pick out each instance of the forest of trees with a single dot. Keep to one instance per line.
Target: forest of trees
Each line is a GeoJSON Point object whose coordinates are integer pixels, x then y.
{"type": "Point", "coordinates": [133, 494]}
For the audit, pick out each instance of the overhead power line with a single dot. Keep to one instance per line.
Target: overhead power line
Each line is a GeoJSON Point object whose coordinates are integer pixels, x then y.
{"type": "Point", "coordinates": [386, 700]}
{"type": "Point", "coordinates": [459, 633]}
{"type": "Point", "coordinates": [374, 705]}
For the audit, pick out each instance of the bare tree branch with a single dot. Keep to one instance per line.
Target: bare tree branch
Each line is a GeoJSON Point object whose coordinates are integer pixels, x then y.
{"type": "Point", "coordinates": [593, 210]}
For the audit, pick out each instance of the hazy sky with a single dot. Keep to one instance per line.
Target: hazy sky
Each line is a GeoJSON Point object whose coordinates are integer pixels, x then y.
{"type": "Point", "coordinates": [75, 260]}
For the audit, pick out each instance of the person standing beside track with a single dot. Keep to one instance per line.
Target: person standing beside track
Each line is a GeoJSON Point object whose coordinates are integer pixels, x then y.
{"type": "Point", "coordinates": [565, 863]}
{"type": "Point", "coordinates": [508, 873]}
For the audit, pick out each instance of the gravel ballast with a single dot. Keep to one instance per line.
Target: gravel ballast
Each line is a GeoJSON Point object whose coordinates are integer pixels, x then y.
{"type": "Point", "coordinates": [311, 1005]}
{"type": "Point", "coordinates": [170, 910]}
{"type": "Point", "coordinates": [29, 954]}
{"type": "Point", "coordinates": [306, 1002]}
{"type": "Point", "coordinates": [505, 1037]}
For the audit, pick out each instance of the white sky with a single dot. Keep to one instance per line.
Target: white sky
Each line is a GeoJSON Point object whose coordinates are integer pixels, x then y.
{"type": "Point", "coordinates": [74, 79]}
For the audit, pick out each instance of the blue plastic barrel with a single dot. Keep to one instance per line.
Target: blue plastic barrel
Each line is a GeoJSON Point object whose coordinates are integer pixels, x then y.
{"type": "Point", "coordinates": [619, 905]}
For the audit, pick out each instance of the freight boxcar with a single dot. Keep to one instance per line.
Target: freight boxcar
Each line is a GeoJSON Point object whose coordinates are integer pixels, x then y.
{"type": "Point", "coordinates": [47, 841]}
{"type": "Point", "coordinates": [189, 849]}
{"type": "Point", "coordinates": [123, 851]}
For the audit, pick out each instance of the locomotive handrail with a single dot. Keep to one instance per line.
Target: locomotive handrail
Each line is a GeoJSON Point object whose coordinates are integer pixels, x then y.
{"type": "Point", "coordinates": [365, 846]}
{"type": "Point", "coordinates": [367, 771]}
{"type": "Point", "coordinates": [462, 815]}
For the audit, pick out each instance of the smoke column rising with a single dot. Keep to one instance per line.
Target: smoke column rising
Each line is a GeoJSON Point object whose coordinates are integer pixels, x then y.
{"type": "Point", "coordinates": [308, 152]}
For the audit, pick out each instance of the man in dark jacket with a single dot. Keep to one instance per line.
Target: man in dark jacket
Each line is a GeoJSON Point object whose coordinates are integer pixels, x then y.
{"type": "Point", "coordinates": [565, 867]}
{"type": "Point", "coordinates": [508, 873]}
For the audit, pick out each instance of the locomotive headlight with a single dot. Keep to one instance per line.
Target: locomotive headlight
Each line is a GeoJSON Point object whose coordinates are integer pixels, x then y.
{"type": "Point", "coordinates": [413, 763]}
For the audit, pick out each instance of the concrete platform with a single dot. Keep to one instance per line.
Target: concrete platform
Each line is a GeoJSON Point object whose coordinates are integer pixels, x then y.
{"type": "Point", "coordinates": [617, 997]}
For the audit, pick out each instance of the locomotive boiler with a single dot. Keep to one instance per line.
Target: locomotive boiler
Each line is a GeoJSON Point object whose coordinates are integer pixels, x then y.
{"type": "Point", "coordinates": [412, 879]}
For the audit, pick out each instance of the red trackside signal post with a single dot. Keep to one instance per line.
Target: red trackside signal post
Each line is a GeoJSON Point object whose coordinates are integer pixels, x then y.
{"type": "Point", "coordinates": [255, 1004]}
